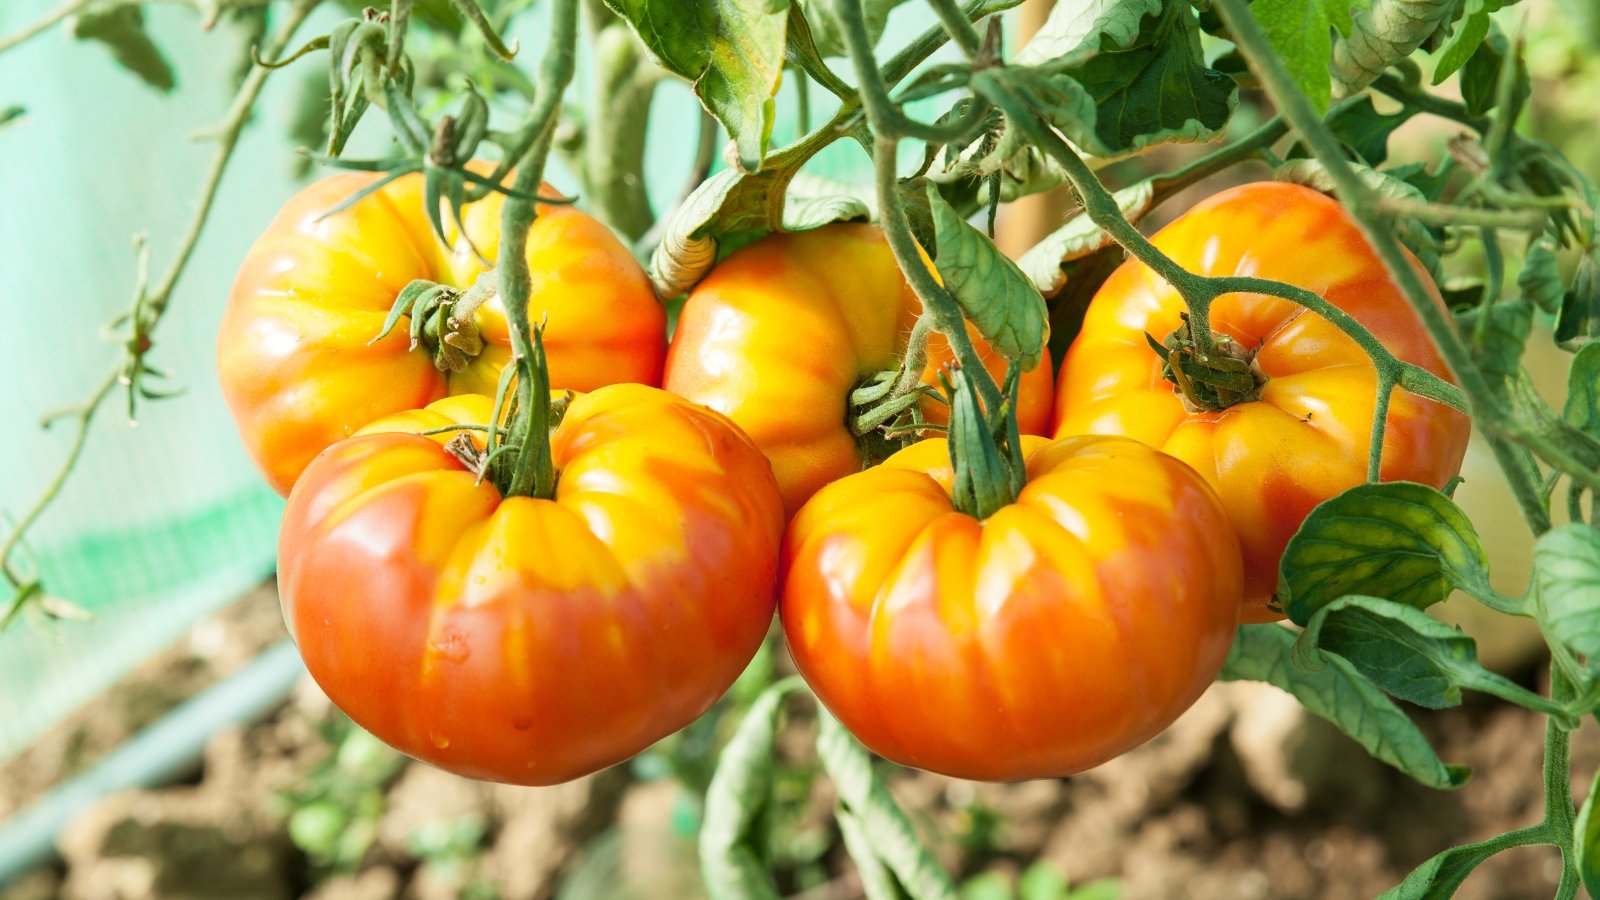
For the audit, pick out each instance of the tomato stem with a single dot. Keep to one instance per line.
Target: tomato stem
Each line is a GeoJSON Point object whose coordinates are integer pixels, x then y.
{"type": "Point", "coordinates": [442, 321]}
{"type": "Point", "coordinates": [988, 475]}
{"type": "Point", "coordinates": [985, 448]}
{"type": "Point", "coordinates": [532, 472]}
{"type": "Point", "coordinates": [887, 124]}
{"type": "Point", "coordinates": [1208, 383]}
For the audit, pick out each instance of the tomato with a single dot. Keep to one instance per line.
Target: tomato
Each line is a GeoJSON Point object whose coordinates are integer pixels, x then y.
{"type": "Point", "coordinates": [296, 356]}
{"type": "Point", "coordinates": [778, 335]}
{"type": "Point", "coordinates": [1064, 629]}
{"type": "Point", "coordinates": [527, 640]}
{"type": "Point", "coordinates": [1305, 439]}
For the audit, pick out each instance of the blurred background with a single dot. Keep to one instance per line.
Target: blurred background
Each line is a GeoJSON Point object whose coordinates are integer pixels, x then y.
{"type": "Point", "coordinates": [169, 745]}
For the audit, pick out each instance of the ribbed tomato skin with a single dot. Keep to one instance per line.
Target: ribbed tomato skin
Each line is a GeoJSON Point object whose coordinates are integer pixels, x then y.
{"type": "Point", "coordinates": [296, 358]}
{"type": "Point", "coordinates": [778, 335]}
{"type": "Point", "coordinates": [1061, 631]}
{"type": "Point", "coordinates": [1306, 439]}
{"type": "Point", "coordinates": [526, 640]}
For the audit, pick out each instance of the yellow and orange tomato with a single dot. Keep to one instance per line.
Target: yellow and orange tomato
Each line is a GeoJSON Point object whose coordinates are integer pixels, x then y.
{"type": "Point", "coordinates": [1066, 628]}
{"type": "Point", "coordinates": [533, 640]}
{"type": "Point", "coordinates": [296, 354]}
{"type": "Point", "coordinates": [778, 335]}
{"type": "Point", "coordinates": [1305, 439]}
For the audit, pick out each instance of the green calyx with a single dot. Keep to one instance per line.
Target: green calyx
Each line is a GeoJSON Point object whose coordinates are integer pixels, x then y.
{"type": "Point", "coordinates": [1208, 380]}
{"type": "Point", "coordinates": [885, 416]}
{"type": "Point", "coordinates": [442, 320]}
{"type": "Point", "coordinates": [516, 456]}
{"type": "Point", "coordinates": [985, 446]}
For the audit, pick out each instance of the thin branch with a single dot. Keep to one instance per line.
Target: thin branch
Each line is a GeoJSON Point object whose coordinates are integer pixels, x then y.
{"type": "Point", "coordinates": [43, 23]}
{"type": "Point", "coordinates": [881, 116]}
{"type": "Point", "coordinates": [155, 303]}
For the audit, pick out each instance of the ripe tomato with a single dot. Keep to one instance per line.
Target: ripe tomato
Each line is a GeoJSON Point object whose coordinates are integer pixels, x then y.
{"type": "Point", "coordinates": [296, 356]}
{"type": "Point", "coordinates": [526, 640]}
{"type": "Point", "coordinates": [1305, 439]}
{"type": "Point", "coordinates": [1066, 628]}
{"type": "Point", "coordinates": [781, 332]}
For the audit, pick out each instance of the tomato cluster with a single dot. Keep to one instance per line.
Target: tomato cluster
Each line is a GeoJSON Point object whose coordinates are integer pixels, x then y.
{"type": "Point", "coordinates": [536, 638]}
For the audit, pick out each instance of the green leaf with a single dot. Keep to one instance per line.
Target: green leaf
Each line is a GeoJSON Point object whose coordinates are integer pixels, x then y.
{"type": "Point", "coordinates": [1482, 71]}
{"type": "Point", "coordinates": [1078, 238]}
{"type": "Point", "coordinates": [121, 29]}
{"type": "Point", "coordinates": [1117, 76]}
{"type": "Point", "coordinates": [989, 885]}
{"type": "Point", "coordinates": [1566, 581]}
{"type": "Point", "coordinates": [1074, 25]}
{"type": "Point", "coordinates": [894, 841]}
{"type": "Point", "coordinates": [1583, 391]}
{"type": "Point", "coordinates": [1363, 129]}
{"type": "Point", "coordinates": [1498, 333]}
{"type": "Point", "coordinates": [1103, 889]}
{"type": "Point", "coordinates": [828, 34]}
{"type": "Point", "coordinates": [877, 882]}
{"type": "Point", "coordinates": [801, 50]}
{"type": "Point", "coordinates": [1408, 654]}
{"type": "Point", "coordinates": [1429, 184]}
{"type": "Point", "coordinates": [1470, 33]}
{"type": "Point", "coordinates": [738, 793]}
{"type": "Point", "coordinates": [1343, 696]}
{"type": "Point", "coordinates": [1578, 323]}
{"type": "Point", "coordinates": [993, 293]}
{"type": "Point", "coordinates": [1586, 841]}
{"type": "Point", "coordinates": [731, 51]}
{"type": "Point", "coordinates": [1540, 278]}
{"type": "Point", "coordinates": [1399, 540]}
{"type": "Point", "coordinates": [1042, 881]}
{"type": "Point", "coordinates": [814, 201]}
{"type": "Point", "coordinates": [1438, 878]}
{"type": "Point", "coordinates": [1302, 33]}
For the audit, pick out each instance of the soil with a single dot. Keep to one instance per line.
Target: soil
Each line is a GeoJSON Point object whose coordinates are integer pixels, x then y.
{"type": "Point", "coordinates": [1245, 797]}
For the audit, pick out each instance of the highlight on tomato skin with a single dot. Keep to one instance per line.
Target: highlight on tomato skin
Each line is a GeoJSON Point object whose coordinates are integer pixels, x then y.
{"type": "Point", "coordinates": [780, 333]}
{"type": "Point", "coordinates": [1067, 628]}
{"type": "Point", "coordinates": [525, 640]}
{"type": "Point", "coordinates": [1303, 435]}
{"type": "Point", "coordinates": [298, 355]}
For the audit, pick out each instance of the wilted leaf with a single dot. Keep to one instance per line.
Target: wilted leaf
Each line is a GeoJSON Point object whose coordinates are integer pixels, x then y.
{"type": "Point", "coordinates": [893, 841]}
{"type": "Point", "coordinates": [738, 793]}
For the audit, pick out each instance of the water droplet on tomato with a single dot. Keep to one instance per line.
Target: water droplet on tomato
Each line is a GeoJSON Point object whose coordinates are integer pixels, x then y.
{"type": "Point", "coordinates": [439, 740]}
{"type": "Point", "coordinates": [450, 646]}
{"type": "Point", "coordinates": [522, 723]}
